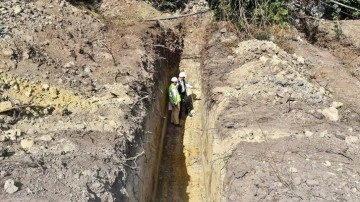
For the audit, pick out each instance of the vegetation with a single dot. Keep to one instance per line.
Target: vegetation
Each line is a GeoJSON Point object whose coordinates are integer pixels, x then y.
{"type": "Point", "coordinates": [265, 12]}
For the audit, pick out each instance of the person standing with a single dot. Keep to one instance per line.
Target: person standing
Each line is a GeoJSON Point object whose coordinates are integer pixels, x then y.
{"type": "Point", "coordinates": [175, 100]}
{"type": "Point", "coordinates": [182, 86]}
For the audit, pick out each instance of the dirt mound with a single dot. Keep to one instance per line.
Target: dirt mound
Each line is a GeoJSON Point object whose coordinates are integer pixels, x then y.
{"type": "Point", "coordinates": [76, 97]}
{"type": "Point", "coordinates": [284, 125]}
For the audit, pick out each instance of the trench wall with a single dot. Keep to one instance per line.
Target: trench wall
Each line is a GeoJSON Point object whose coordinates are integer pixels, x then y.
{"type": "Point", "coordinates": [141, 184]}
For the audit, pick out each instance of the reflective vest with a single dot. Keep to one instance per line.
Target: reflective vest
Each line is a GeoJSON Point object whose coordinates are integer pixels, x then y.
{"type": "Point", "coordinates": [171, 99]}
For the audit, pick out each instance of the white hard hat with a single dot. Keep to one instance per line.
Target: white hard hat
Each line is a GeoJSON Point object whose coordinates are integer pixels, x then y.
{"type": "Point", "coordinates": [182, 74]}
{"type": "Point", "coordinates": [174, 79]}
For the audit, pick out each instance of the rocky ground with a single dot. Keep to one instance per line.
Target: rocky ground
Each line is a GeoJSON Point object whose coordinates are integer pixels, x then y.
{"type": "Point", "coordinates": [74, 89]}
{"type": "Point", "coordinates": [83, 108]}
{"type": "Point", "coordinates": [287, 122]}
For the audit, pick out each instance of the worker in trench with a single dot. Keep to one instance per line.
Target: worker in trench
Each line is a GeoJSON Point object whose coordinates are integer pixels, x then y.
{"type": "Point", "coordinates": [182, 85]}
{"type": "Point", "coordinates": [175, 101]}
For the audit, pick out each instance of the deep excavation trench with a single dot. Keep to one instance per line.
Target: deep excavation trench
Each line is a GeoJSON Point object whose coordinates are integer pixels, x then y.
{"type": "Point", "coordinates": [176, 165]}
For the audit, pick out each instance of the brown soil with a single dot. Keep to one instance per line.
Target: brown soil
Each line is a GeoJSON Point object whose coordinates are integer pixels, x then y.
{"type": "Point", "coordinates": [83, 108]}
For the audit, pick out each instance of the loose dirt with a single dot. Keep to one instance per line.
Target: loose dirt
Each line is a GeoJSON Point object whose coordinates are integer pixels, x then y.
{"type": "Point", "coordinates": [83, 108]}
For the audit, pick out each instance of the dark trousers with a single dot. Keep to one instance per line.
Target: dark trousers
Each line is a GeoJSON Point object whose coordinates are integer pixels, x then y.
{"type": "Point", "coordinates": [185, 103]}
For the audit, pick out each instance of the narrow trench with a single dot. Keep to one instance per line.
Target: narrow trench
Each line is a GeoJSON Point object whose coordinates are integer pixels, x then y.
{"type": "Point", "coordinates": [173, 177]}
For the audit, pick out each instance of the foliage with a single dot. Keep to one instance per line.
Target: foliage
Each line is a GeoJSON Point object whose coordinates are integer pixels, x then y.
{"type": "Point", "coordinates": [339, 12]}
{"type": "Point", "coordinates": [255, 12]}
{"type": "Point", "coordinates": [264, 12]}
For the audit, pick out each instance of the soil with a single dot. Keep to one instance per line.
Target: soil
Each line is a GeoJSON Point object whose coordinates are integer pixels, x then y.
{"type": "Point", "coordinates": [84, 117]}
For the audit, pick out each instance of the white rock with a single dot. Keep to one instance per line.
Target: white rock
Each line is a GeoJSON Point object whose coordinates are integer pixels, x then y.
{"type": "Point", "coordinates": [327, 163]}
{"type": "Point", "coordinates": [46, 138]}
{"type": "Point", "coordinates": [10, 187]}
{"type": "Point", "coordinates": [336, 105]}
{"type": "Point", "coordinates": [351, 139]}
{"type": "Point", "coordinates": [45, 87]}
{"type": "Point", "coordinates": [308, 133]}
{"type": "Point", "coordinates": [323, 134]}
{"type": "Point", "coordinates": [331, 113]}
{"type": "Point", "coordinates": [17, 10]}
{"type": "Point", "coordinates": [293, 170]}
{"type": "Point", "coordinates": [26, 143]}
{"type": "Point", "coordinates": [5, 105]}
{"type": "Point", "coordinates": [301, 60]}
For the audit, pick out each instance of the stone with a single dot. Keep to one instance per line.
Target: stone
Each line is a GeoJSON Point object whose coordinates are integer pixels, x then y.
{"type": "Point", "coordinates": [327, 163]}
{"type": "Point", "coordinates": [323, 134]}
{"type": "Point", "coordinates": [45, 86]}
{"type": "Point", "coordinates": [293, 170]}
{"type": "Point", "coordinates": [336, 105]}
{"type": "Point", "coordinates": [10, 187]}
{"type": "Point", "coordinates": [17, 10]}
{"type": "Point", "coordinates": [46, 138]}
{"type": "Point", "coordinates": [6, 105]}
{"type": "Point", "coordinates": [331, 113]}
{"type": "Point", "coordinates": [26, 143]}
{"type": "Point", "coordinates": [308, 133]}
{"type": "Point", "coordinates": [301, 60]}
{"type": "Point", "coordinates": [7, 52]}
{"type": "Point", "coordinates": [312, 182]}
{"type": "Point", "coordinates": [351, 139]}
{"type": "Point", "coordinates": [53, 92]}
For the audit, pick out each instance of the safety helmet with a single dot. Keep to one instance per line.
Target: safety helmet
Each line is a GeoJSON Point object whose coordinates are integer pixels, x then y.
{"type": "Point", "coordinates": [174, 79]}
{"type": "Point", "coordinates": [182, 74]}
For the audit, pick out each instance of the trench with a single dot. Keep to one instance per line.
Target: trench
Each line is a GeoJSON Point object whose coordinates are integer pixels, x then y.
{"type": "Point", "coordinates": [177, 163]}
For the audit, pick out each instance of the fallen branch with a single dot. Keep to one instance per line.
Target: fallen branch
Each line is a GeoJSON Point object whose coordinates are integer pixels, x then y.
{"type": "Point", "coordinates": [179, 16]}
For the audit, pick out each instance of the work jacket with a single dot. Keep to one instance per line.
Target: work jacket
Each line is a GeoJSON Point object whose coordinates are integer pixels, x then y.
{"type": "Point", "coordinates": [174, 96]}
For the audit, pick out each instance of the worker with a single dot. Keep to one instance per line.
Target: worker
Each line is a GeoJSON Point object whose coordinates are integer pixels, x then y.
{"type": "Point", "coordinates": [185, 100]}
{"type": "Point", "coordinates": [175, 100]}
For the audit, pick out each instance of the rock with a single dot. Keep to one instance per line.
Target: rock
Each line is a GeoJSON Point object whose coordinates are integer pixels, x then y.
{"type": "Point", "coordinates": [327, 163]}
{"type": "Point", "coordinates": [26, 143]}
{"type": "Point", "coordinates": [331, 113]}
{"type": "Point", "coordinates": [87, 70]}
{"type": "Point", "coordinates": [293, 170]}
{"type": "Point", "coordinates": [45, 86]}
{"type": "Point", "coordinates": [323, 134]}
{"type": "Point", "coordinates": [53, 92]}
{"type": "Point", "coordinates": [46, 138]}
{"type": "Point", "coordinates": [340, 136]}
{"type": "Point", "coordinates": [69, 64]}
{"type": "Point", "coordinates": [336, 105]}
{"type": "Point", "coordinates": [312, 182]}
{"type": "Point", "coordinates": [17, 10]}
{"type": "Point", "coordinates": [5, 105]}
{"type": "Point", "coordinates": [351, 139]}
{"type": "Point", "coordinates": [301, 60]}
{"type": "Point", "coordinates": [308, 133]}
{"type": "Point", "coordinates": [10, 187]}
{"type": "Point", "coordinates": [7, 52]}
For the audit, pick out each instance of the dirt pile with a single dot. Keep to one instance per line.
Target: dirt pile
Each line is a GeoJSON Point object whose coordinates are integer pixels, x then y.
{"type": "Point", "coordinates": [281, 124]}
{"type": "Point", "coordinates": [76, 97]}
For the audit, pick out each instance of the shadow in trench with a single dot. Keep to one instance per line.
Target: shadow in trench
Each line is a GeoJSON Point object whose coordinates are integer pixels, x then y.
{"type": "Point", "coordinates": [173, 177]}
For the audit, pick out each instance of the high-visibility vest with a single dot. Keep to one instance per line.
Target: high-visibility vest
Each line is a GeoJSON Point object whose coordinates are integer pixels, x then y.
{"type": "Point", "coordinates": [171, 99]}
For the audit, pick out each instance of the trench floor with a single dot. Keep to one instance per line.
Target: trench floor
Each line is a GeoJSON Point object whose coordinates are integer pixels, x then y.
{"type": "Point", "coordinates": [173, 176]}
